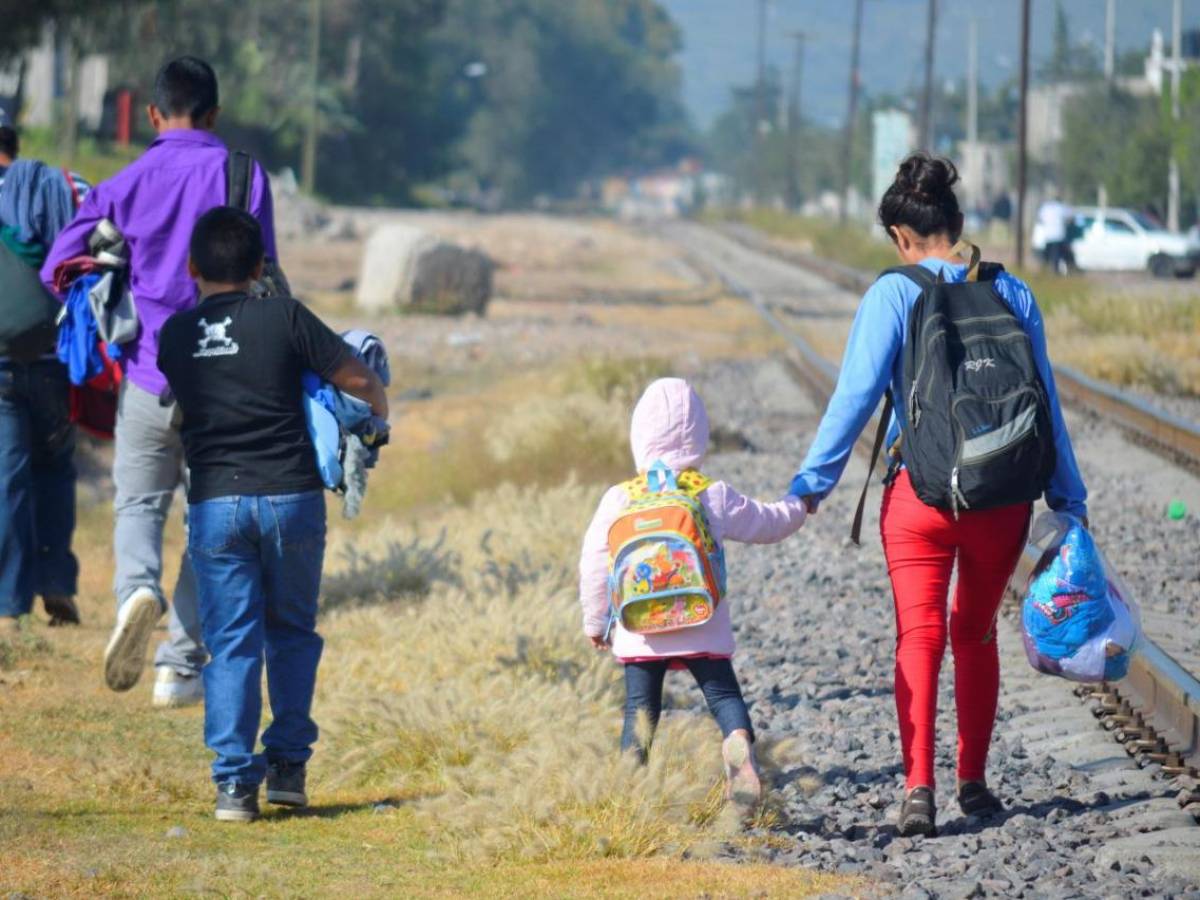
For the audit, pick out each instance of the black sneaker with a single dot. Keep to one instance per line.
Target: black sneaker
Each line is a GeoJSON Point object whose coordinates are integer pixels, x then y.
{"type": "Point", "coordinates": [918, 815]}
{"type": "Point", "coordinates": [285, 784]}
{"type": "Point", "coordinates": [975, 799]}
{"type": "Point", "coordinates": [237, 802]}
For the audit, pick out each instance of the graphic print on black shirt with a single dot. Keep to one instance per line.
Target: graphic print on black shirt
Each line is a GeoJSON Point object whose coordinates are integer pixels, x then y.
{"type": "Point", "coordinates": [234, 365]}
{"type": "Point", "coordinates": [214, 341]}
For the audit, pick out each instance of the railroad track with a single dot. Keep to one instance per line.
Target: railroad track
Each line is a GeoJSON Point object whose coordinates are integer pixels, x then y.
{"type": "Point", "coordinates": [1154, 712]}
{"type": "Point", "coordinates": [1160, 430]}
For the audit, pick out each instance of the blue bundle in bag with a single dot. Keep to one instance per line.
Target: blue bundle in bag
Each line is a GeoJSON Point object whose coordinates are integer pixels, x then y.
{"type": "Point", "coordinates": [1076, 620]}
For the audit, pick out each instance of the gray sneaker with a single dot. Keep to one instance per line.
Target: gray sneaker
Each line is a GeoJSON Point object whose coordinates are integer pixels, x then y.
{"type": "Point", "coordinates": [237, 802]}
{"type": "Point", "coordinates": [285, 784]}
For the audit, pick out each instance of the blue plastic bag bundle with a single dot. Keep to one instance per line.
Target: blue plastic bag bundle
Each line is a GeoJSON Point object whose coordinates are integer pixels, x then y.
{"type": "Point", "coordinates": [1077, 620]}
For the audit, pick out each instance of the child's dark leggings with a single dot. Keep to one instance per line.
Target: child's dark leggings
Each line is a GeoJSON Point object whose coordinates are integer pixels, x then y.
{"type": "Point", "coordinates": [644, 690]}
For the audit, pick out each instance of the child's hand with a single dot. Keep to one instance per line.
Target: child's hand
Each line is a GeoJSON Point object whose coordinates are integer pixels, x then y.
{"type": "Point", "coordinates": [812, 502]}
{"type": "Point", "coordinates": [598, 642]}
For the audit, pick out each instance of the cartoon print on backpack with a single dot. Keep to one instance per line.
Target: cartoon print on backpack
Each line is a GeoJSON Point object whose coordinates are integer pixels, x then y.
{"type": "Point", "coordinates": [668, 572]}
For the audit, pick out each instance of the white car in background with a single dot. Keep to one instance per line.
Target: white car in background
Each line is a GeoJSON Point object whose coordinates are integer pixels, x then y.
{"type": "Point", "coordinates": [1114, 239]}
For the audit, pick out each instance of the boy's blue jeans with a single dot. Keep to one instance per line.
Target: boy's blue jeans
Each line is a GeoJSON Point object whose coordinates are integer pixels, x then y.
{"type": "Point", "coordinates": [37, 485]}
{"type": "Point", "coordinates": [258, 573]}
{"type": "Point", "coordinates": [644, 690]}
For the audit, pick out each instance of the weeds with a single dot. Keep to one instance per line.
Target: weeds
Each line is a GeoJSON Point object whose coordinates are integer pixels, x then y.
{"type": "Point", "coordinates": [401, 571]}
{"type": "Point", "coordinates": [23, 646]}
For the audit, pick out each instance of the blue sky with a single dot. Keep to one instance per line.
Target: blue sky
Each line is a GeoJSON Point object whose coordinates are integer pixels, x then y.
{"type": "Point", "coordinates": [720, 37]}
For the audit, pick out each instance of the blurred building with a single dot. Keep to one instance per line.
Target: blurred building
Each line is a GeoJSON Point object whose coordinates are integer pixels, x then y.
{"type": "Point", "coordinates": [38, 82]}
{"type": "Point", "coordinates": [893, 137]}
{"type": "Point", "coordinates": [1047, 101]}
{"type": "Point", "coordinates": [983, 167]}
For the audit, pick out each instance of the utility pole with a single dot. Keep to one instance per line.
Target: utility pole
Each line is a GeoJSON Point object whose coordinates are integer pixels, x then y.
{"type": "Point", "coordinates": [794, 123]}
{"type": "Point", "coordinates": [851, 111]}
{"type": "Point", "coordinates": [308, 164]}
{"type": "Point", "coordinates": [1176, 74]}
{"type": "Point", "coordinates": [1110, 41]}
{"type": "Point", "coordinates": [926, 133]}
{"type": "Point", "coordinates": [973, 82]}
{"type": "Point", "coordinates": [1022, 136]}
{"type": "Point", "coordinates": [760, 84]}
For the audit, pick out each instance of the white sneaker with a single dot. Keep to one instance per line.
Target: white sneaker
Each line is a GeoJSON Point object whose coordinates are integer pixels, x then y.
{"type": "Point", "coordinates": [172, 690]}
{"type": "Point", "coordinates": [125, 656]}
{"type": "Point", "coordinates": [743, 785]}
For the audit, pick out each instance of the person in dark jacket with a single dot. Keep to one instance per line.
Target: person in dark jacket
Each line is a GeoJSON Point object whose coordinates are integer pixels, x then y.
{"type": "Point", "coordinates": [37, 439]}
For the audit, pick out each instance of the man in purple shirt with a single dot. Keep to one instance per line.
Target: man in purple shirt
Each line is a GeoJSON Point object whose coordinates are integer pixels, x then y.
{"type": "Point", "coordinates": [155, 202]}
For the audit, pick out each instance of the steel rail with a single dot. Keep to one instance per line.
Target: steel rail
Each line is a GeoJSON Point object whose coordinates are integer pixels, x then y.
{"type": "Point", "coordinates": [1161, 430]}
{"type": "Point", "coordinates": [1154, 712]}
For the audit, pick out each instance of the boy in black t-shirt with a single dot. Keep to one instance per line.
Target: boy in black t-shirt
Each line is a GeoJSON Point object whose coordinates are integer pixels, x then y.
{"type": "Point", "coordinates": [256, 510]}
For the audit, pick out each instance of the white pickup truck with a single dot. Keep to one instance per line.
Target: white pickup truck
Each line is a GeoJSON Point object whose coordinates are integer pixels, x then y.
{"type": "Point", "coordinates": [1114, 239]}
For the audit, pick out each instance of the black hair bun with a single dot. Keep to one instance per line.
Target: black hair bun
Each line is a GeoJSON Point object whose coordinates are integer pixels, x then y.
{"type": "Point", "coordinates": [922, 197]}
{"type": "Point", "coordinates": [931, 176]}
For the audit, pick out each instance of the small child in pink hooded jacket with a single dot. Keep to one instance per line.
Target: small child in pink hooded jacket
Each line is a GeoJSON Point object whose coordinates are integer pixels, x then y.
{"type": "Point", "coordinates": [671, 425]}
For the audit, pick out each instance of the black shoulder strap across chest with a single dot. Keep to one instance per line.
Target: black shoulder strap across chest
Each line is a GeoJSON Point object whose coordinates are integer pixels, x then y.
{"type": "Point", "coordinates": [239, 173]}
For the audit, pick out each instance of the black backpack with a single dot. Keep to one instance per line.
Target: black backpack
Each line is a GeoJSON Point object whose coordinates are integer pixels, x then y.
{"type": "Point", "coordinates": [979, 432]}
{"type": "Point", "coordinates": [239, 172]}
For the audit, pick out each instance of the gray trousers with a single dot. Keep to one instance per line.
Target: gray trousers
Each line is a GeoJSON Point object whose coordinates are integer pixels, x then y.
{"type": "Point", "coordinates": [149, 466]}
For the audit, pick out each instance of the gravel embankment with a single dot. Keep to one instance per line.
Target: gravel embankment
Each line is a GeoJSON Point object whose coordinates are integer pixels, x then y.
{"type": "Point", "coordinates": [816, 636]}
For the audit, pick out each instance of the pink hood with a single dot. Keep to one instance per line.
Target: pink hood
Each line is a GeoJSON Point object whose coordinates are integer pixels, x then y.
{"type": "Point", "coordinates": [669, 423]}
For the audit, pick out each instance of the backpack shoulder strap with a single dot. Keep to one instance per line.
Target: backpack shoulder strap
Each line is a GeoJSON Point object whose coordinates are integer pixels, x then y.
{"type": "Point", "coordinates": [990, 271]}
{"type": "Point", "coordinates": [919, 275]}
{"type": "Point", "coordinates": [239, 173]}
{"type": "Point", "coordinates": [885, 420]}
{"type": "Point", "coordinates": [636, 488]}
{"type": "Point", "coordinates": [692, 482]}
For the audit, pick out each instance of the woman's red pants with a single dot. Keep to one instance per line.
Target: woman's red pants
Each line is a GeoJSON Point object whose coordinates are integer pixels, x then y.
{"type": "Point", "coordinates": [921, 544]}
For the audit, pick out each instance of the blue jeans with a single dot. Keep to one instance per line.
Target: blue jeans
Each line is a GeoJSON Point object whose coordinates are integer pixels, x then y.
{"type": "Point", "coordinates": [37, 485]}
{"type": "Point", "coordinates": [644, 689]}
{"type": "Point", "coordinates": [258, 573]}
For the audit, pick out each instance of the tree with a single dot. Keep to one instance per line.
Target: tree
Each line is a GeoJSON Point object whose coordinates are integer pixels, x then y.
{"type": "Point", "coordinates": [1118, 140]}
{"type": "Point", "coordinates": [1069, 61]}
{"type": "Point", "coordinates": [570, 91]}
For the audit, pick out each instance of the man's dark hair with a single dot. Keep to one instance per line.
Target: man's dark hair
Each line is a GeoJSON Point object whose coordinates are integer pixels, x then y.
{"type": "Point", "coordinates": [227, 245]}
{"type": "Point", "coordinates": [186, 86]}
{"type": "Point", "coordinates": [10, 144]}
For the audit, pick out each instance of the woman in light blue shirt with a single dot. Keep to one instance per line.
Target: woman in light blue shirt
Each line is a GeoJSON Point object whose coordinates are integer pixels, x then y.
{"type": "Point", "coordinates": [921, 215]}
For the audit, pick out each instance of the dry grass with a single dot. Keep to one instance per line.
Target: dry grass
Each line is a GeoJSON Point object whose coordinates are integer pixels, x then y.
{"type": "Point", "coordinates": [1141, 335]}
{"type": "Point", "coordinates": [502, 728]}
{"type": "Point", "coordinates": [534, 428]}
{"type": "Point", "coordinates": [469, 742]}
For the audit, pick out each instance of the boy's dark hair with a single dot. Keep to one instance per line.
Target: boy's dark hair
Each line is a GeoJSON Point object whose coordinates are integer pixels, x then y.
{"type": "Point", "coordinates": [922, 197]}
{"type": "Point", "coordinates": [227, 245]}
{"type": "Point", "coordinates": [10, 144]}
{"type": "Point", "coordinates": [186, 86]}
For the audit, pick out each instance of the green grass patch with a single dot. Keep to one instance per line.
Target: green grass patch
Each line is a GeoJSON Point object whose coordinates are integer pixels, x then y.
{"type": "Point", "coordinates": [94, 160]}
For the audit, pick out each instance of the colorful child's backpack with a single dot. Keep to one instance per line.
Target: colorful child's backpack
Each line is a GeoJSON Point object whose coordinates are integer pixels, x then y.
{"type": "Point", "coordinates": [666, 571]}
